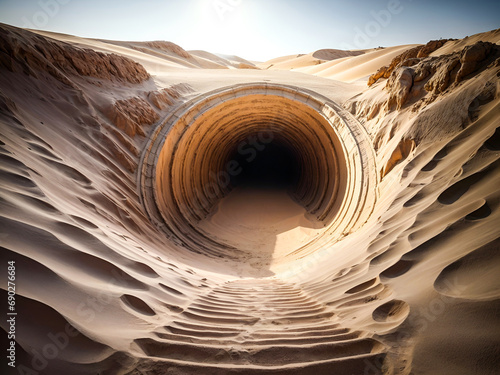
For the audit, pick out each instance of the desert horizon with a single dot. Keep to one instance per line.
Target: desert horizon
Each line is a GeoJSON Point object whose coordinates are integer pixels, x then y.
{"type": "Point", "coordinates": [170, 205]}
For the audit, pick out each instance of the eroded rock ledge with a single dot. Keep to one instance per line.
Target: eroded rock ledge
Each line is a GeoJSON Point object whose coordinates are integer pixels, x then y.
{"type": "Point", "coordinates": [31, 53]}
{"type": "Point", "coordinates": [411, 78]}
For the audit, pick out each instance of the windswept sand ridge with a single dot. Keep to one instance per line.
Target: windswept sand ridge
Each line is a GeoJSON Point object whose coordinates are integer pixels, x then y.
{"type": "Point", "coordinates": [156, 55]}
{"type": "Point", "coordinates": [345, 66]}
{"type": "Point", "coordinates": [349, 66]}
{"type": "Point", "coordinates": [333, 54]}
{"type": "Point", "coordinates": [492, 36]}
{"type": "Point", "coordinates": [227, 61]}
{"type": "Point", "coordinates": [55, 58]}
{"type": "Point", "coordinates": [386, 297]}
{"type": "Point", "coordinates": [300, 61]}
{"type": "Point", "coordinates": [354, 68]}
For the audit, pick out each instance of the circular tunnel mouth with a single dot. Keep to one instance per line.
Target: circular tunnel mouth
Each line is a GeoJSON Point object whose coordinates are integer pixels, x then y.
{"type": "Point", "coordinates": [266, 172]}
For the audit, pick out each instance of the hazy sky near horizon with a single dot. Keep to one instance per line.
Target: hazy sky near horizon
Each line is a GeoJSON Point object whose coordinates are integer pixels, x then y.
{"type": "Point", "coordinates": [258, 29]}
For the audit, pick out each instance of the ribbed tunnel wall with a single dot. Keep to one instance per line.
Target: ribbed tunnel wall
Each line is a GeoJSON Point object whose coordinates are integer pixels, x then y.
{"type": "Point", "coordinates": [189, 163]}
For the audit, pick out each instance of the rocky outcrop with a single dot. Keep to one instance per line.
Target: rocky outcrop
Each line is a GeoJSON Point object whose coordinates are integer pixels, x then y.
{"type": "Point", "coordinates": [440, 73]}
{"type": "Point", "coordinates": [471, 58]}
{"type": "Point", "coordinates": [400, 83]}
{"type": "Point", "coordinates": [164, 98]}
{"type": "Point", "coordinates": [442, 89]}
{"type": "Point", "coordinates": [383, 72]}
{"type": "Point", "coordinates": [407, 58]}
{"type": "Point", "coordinates": [434, 75]}
{"type": "Point", "coordinates": [431, 46]}
{"type": "Point", "coordinates": [23, 51]}
{"type": "Point", "coordinates": [131, 115]}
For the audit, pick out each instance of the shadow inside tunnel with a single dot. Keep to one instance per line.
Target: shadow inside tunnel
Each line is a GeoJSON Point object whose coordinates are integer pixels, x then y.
{"type": "Point", "coordinates": [259, 217]}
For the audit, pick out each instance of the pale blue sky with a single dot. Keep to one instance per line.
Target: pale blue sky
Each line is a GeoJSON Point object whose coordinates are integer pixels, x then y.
{"type": "Point", "coordinates": [258, 29]}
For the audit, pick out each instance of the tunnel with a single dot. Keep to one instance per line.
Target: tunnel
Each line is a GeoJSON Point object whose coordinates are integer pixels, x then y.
{"type": "Point", "coordinates": [272, 164]}
{"type": "Point", "coordinates": [257, 171]}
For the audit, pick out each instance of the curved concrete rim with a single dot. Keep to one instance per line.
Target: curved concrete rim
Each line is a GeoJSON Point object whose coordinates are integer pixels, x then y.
{"type": "Point", "coordinates": [361, 179]}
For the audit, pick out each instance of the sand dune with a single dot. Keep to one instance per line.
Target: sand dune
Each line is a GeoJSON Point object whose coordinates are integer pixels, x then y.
{"type": "Point", "coordinates": [340, 65]}
{"type": "Point", "coordinates": [156, 55]}
{"type": "Point", "coordinates": [147, 238]}
{"type": "Point", "coordinates": [492, 36]}
{"type": "Point", "coordinates": [357, 67]}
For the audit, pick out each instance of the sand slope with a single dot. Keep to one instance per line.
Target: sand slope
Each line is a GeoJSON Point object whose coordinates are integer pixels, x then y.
{"type": "Point", "coordinates": [344, 66]}
{"type": "Point", "coordinates": [101, 289]}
